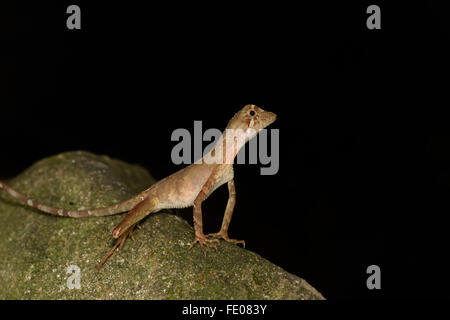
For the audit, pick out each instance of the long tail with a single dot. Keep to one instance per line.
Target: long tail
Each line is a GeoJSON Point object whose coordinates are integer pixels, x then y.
{"type": "Point", "coordinates": [106, 211]}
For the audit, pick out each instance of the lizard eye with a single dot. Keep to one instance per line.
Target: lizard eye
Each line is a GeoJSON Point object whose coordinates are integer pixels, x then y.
{"type": "Point", "coordinates": [251, 113]}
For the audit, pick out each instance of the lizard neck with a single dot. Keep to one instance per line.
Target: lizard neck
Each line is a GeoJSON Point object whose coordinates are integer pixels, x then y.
{"type": "Point", "coordinates": [227, 147]}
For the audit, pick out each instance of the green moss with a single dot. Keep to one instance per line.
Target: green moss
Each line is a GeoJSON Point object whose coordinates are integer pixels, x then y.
{"type": "Point", "coordinates": [36, 248]}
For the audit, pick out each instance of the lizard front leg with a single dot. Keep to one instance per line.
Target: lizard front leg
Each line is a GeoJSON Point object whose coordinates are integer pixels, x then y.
{"type": "Point", "coordinates": [223, 233]}
{"type": "Point", "coordinates": [198, 219]}
{"type": "Point", "coordinates": [198, 228]}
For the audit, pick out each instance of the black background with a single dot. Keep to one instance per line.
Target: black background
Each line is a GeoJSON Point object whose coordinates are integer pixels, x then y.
{"type": "Point", "coordinates": [364, 142]}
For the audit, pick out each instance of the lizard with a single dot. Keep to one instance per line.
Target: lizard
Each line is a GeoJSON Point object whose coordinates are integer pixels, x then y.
{"type": "Point", "coordinates": [188, 187]}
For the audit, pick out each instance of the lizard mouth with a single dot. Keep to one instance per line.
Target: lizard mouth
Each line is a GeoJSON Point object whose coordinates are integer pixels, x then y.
{"type": "Point", "coordinates": [272, 117]}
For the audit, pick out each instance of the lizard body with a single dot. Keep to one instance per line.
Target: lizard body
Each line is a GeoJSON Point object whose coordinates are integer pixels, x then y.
{"type": "Point", "coordinates": [187, 187]}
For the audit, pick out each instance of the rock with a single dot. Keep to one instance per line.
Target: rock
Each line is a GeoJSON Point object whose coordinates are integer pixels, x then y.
{"type": "Point", "coordinates": [36, 249]}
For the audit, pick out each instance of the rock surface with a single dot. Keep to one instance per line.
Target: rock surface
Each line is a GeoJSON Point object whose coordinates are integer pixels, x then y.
{"type": "Point", "coordinates": [36, 249]}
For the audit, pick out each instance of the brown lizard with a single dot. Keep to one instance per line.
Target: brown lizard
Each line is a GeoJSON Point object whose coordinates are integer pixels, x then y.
{"type": "Point", "coordinates": [187, 187]}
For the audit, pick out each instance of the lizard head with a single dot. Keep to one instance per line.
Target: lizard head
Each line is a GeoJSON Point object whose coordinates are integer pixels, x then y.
{"type": "Point", "coordinates": [251, 119]}
{"type": "Point", "coordinates": [244, 125]}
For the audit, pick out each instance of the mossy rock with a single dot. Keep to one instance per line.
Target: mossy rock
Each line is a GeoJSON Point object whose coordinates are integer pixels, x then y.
{"type": "Point", "coordinates": [36, 249]}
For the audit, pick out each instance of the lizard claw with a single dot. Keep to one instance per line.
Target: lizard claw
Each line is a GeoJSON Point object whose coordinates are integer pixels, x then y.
{"type": "Point", "coordinates": [203, 241]}
{"type": "Point", "coordinates": [224, 236]}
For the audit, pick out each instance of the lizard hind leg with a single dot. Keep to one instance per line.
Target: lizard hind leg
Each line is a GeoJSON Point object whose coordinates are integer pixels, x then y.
{"type": "Point", "coordinates": [126, 226]}
{"type": "Point", "coordinates": [139, 212]}
{"type": "Point", "coordinates": [118, 245]}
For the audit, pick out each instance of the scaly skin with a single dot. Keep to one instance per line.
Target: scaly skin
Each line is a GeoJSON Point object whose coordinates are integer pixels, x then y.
{"type": "Point", "coordinates": [187, 187]}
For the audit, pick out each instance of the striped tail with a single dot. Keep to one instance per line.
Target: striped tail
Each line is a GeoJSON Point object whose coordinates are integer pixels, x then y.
{"type": "Point", "coordinates": [106, 211]}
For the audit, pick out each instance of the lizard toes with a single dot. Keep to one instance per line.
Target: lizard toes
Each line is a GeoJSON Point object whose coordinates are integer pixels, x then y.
{"type": "Point", "coordinates": [216, 235]}
{"type": "Point", "coordinates": [224, 236]}
{"type": "Point", "coordinates": [204, 242]}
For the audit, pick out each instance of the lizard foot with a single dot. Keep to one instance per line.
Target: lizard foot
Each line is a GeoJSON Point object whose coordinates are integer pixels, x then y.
{"type": "Point", "coordinates": [203, 241]}
{"type": "Point", "coordinates": [118, 245]}
{"type": "Point", "coordinates": [224, 236]}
